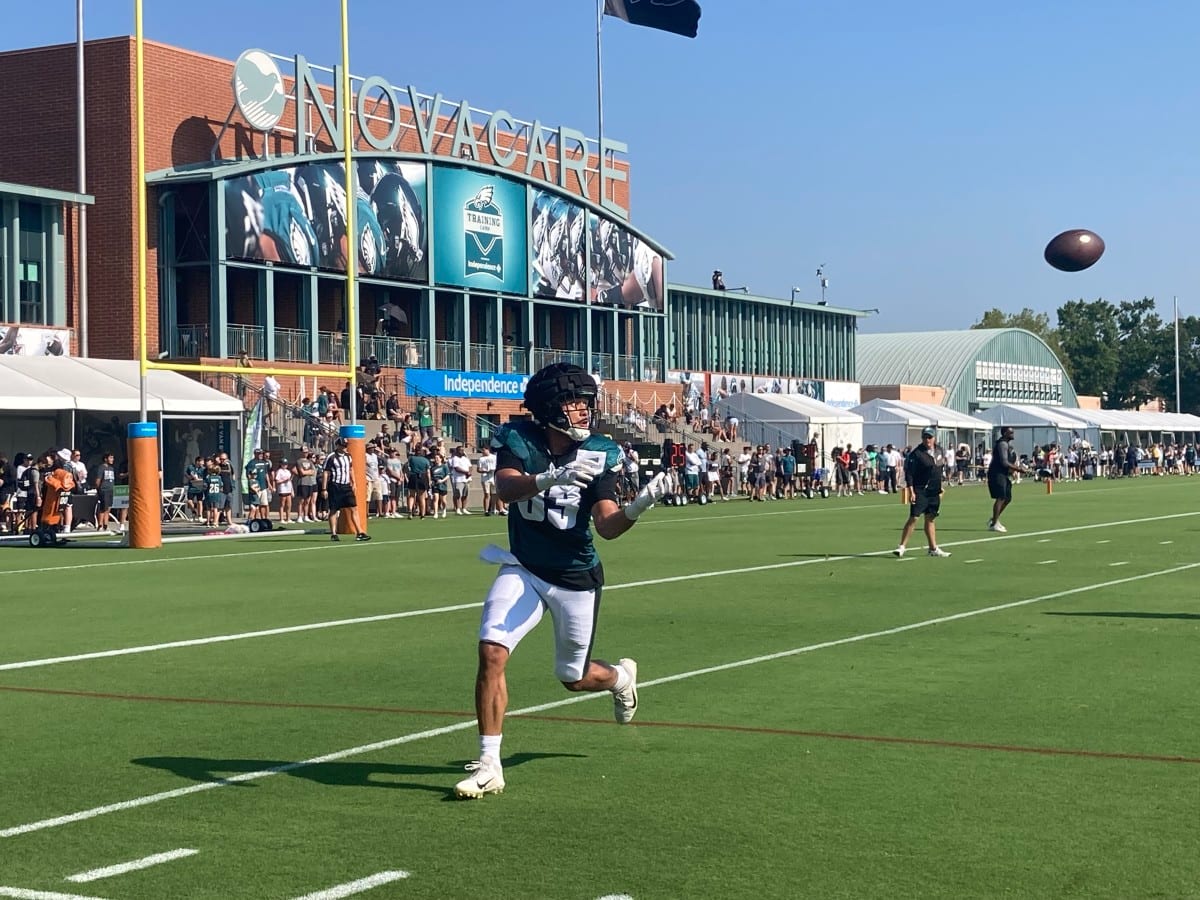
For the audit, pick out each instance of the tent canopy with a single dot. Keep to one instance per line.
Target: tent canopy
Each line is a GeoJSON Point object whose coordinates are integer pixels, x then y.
{"type": "Point", "coordinates": [19, 392]}
{"type": "Point", "coordinates": [108, 385]}
{"type": "Point", "coordinates": [919, 415]}
{"type": "Point", "coordinates": [777, 408]}
{"type": "Point", "coordinates": [1024, 415]}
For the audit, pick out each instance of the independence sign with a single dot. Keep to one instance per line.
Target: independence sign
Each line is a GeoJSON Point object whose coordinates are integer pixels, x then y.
{"type": "Point", "coordinates": [472, 385]}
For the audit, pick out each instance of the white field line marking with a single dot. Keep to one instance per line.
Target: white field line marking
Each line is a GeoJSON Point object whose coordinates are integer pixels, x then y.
{"type": "Point", "coordinates": [1047, 562]}
{"type": "Point", "coordinates": [1119, 563]}
{"type": "Point", "coordinates": [1165, 542]}
{"type": "Point", "coordinates": [1044, 541]}
{"type": "Point", "coordinates": [23, 894]}
{"type": "Point", "coordinates": [482, 534]}
{"type": "Point", "coordinates": [968, 562]}
{"type": "Point", "coordinates": [121, 868]}
{"type": "Point", "coordinates": [383, 617]}
{"type": "Point", "coordinates": [206, 556]}
{"type": "Point", "coordinates": [338, 755]}
{"type": "Point", "coordinates": [615, 897]}
{"type": "Point", "coordinates": [1104, 542]}
{"type": "Point", "coordinates": [351, 888]}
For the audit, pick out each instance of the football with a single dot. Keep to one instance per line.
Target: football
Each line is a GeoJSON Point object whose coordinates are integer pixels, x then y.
{"type": "Point", "coordinates": [1074, 250]}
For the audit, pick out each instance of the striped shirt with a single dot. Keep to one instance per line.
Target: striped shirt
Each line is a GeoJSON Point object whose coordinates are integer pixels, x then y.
{"type": "Point", "coordinates": [337, 469]}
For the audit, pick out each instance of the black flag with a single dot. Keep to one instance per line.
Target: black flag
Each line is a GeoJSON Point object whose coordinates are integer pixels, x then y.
{"type": "Point", "coordinates": [676, 16]}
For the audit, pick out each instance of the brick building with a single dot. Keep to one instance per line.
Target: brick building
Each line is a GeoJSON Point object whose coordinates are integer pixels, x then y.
{"type": "Point", "coordinates": [244, 252]}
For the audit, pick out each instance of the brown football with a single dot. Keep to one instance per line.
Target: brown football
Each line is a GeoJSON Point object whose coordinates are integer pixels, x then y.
{"type": "Point", "coordinates": [1074, 250]}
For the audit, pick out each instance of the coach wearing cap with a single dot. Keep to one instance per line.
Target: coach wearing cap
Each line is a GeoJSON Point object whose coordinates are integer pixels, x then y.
{"type": "Point", "coordinates": [923, 475]}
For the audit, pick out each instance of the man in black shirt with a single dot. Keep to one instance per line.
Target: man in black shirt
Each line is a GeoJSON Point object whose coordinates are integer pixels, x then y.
{"type": "Point", "coordinates": [999, 476]}
{"type": "Point", "coordinates": [923, 475]}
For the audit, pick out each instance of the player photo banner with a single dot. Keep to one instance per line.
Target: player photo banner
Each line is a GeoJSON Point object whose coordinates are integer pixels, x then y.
{"type": "Point", "coordinates": [25, 340]}
{"type": "Point", "coordinates": [623, 270]}
{"type": "Point", "coordinates": [676, 16]}
{"type": "Point", "coordinates": [480, 229]}
{"type": "Point", "coordinates": [297, 217]}
{"type": "Point", "coordinates": [557, 248]}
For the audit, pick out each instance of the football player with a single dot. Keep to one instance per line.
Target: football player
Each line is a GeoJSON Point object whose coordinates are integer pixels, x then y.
{"type": "Point", "coordinates": [557, 478]}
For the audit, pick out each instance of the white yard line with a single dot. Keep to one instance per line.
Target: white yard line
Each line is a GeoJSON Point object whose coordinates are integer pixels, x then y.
{"type": "Point", "coordinates": [1125, 563]}
{"type": "Point", "coordinates": [133, 866]}
{"type": "Point", "coordinates": [23, 894]}
{"type": "Point", "coordinates": [122, 806]}
{"type": "Point", "coordinates": [383, 617]}
{"type": "Point", "coordinates": [356, 887]}
{"type": "Point", "coordinates": [675, 520]}
{"type": "Point", "coordinates": [1047, 562]}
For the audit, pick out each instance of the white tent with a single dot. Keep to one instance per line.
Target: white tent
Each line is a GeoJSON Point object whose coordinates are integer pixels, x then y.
{"type": "Point", "coordinates": [1034, 424]}
{"type": "Point", "coordinates": [21, 392]}
{"type": "Point", "coordinates": [57, 400]}
{"type": "Point", "coordinates": [106, 385]}
{"type": "Point", "coordinates": [779, 419]}
{"type": "Point", "coordinates": [900, 423]}
{"type": "Point", "coordinates": [1125, 426]}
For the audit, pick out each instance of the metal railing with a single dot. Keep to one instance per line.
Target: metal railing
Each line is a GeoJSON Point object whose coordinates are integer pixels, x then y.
{"type": "Point", "coordinates": [191, 341]}
{"type": "Point", "coordinates": [483, 358]}
{"type": "Point", "coordinates": [291, 345]}
{"type": "Point", "coordinates": [248, 339]}
{"type": "Point", "coordinates": [331, 347]}
{"type": "Point", "coordinates": [396, 353]}
{"type": "Point", "coordinates": [603, 363]}
{"type": "Point", "coordinates": [516, 360]}
{"type": "Point", "coordinates": [448, 355]}
{"type": "Point", "coordinates": [543, 356]}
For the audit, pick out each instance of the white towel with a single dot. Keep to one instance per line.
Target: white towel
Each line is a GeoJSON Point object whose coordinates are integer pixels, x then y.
{"type": "Point", "coordinates": [498, 556]}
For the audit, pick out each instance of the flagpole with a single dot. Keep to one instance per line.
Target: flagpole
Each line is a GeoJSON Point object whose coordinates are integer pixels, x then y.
{"type": "Point", "coordinates": [599, 93]}
{"type": "Point", "coordinates": [1177, 406]}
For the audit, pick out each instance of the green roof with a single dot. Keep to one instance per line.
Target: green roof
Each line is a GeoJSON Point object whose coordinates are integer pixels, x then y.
{"type": "Point", "coordinates": [946, 358]}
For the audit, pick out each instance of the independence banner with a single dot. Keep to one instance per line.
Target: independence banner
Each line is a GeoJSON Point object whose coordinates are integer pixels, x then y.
{"type": "Point", "coordinates": [676, 16]}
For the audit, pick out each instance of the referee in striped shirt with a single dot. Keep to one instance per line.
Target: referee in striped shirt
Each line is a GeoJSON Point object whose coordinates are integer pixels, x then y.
{"type": "Point", "coordinates": [337, 487]}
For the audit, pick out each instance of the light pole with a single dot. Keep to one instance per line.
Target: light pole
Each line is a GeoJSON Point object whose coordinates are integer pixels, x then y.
{"type": "Point", "coordinates": [823, 281]}
{"type": "Point", "coordinates": [795, 291]}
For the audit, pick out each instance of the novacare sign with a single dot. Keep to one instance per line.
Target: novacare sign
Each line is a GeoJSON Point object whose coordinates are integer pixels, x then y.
{"type": "Point", "coordinates": [473, 385]}
{"type": "Point", "coordinates": [258, 89]}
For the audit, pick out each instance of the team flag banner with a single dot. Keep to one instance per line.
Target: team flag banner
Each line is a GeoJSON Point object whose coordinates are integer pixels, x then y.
{"type": "Point", "coordinates": [676, 16]}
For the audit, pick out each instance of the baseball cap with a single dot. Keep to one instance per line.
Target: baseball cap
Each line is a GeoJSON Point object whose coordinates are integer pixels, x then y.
{"type": "Point", "coordinates": [928, 432]}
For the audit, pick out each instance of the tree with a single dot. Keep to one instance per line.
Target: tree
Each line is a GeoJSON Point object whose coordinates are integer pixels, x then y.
{"type": "Point", "coordinates": [1189, 366]}
{"type": "Point", "coordinates": [1035, 322]}
{"type": "Point", "coordinates": [1142, 349]}
{"type": "Point", "coordinates": [1090, 344]}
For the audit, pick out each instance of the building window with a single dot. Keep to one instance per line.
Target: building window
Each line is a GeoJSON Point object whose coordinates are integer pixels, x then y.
{"type": "Point", "coordinates": [31, 308]}
{"type": "Point", "coordinates": [454, 427]}
{"type": "Point", "coordinates": [31, 266]}
{"type": "Point", "coordinates": [486, 426]}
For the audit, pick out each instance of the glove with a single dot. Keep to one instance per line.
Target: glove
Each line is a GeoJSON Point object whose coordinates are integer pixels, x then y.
{"type": "Point", "coordinates": [578, 473]}
{"type": "Point", "coordinates": [653, 491]}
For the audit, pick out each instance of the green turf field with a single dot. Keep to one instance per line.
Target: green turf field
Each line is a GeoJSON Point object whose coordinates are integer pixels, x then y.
{"type": "Point", "coordinates": [817, 719]}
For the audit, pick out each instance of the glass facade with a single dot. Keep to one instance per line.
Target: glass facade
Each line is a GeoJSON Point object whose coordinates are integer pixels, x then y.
{"type": "Point", "coordinates": [216, 306]}
{"type": "Point", "coordinates": [722, 331]}
{"type": "Point", "coordinates": [32, 264]}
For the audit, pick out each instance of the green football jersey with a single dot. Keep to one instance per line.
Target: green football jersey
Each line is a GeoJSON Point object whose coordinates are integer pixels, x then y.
{"type": "Point", "coordinates": [550, 533]}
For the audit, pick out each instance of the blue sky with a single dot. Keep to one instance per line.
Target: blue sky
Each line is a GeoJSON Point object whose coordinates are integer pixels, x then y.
{"type": "Point", "coordinates": [924, 153]}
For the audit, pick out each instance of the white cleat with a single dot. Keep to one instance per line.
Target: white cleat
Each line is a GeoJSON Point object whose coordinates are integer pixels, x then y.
{"type": "Point", "coordinates": [487, 777]}
{"type": "Point", "coordinates": [898, 552]}
{"type": "Point", "coordinates": [996, 526]}
{"type": "Point", "coordinates": [938, 551]}
{"type": "Point", "coordinates": [625, 702]}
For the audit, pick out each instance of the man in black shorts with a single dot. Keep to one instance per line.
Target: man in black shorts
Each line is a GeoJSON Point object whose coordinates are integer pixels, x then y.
{"type": "Point", "coordinates": [337, 486]}
{"type": "Point", "coordinates": [923, 475]}
{"type": "Point", "coordinates": [999, 476]}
